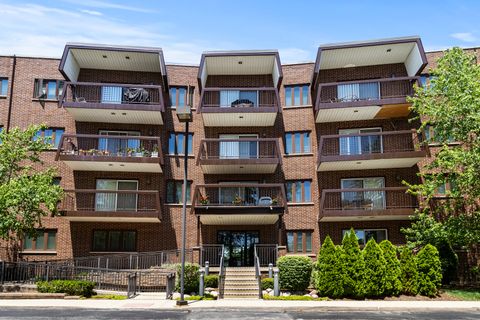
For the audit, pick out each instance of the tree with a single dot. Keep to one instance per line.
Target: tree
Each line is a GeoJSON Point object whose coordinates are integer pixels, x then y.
{"type": "Point", "coordinates": [27, 191]}
{"type": "Point", "coordinates": [354, 266]}
{"type": "Point", "coordinates": [328, 273]}
{"type": "Point", "coordinates": [451, 105]}
{"type": "Point", "coordinates": [409, 272]}
{"type": "Point", "coordinates": [429, 271]}
{"type": "Point", "coordinates": [374, 269]}
{"type": "Point", "coordinates": [393, 285]}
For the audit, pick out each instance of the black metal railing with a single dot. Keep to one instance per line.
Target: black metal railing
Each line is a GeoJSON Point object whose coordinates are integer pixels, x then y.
{"type": "Point", "coordinates": [267, 253]}
{"type": "Point", "coordinates": [258, 272]}
{"type": "Point", "coordinates": [221, 274]}
{"type": "Point", "coordinates": [213, 253]}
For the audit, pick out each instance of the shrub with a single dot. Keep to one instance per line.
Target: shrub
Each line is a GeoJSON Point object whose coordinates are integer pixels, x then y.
{"type": "Point", "coordinates": [449, 261]}
{"type": "Point", "coordinates": [354, 266]}
{"type": "Point", "coordinates": [70, 287]}
{"type": "Point", "coordinates": [409, 273]}
{"type": "Point", "coordinates": [328, 275]}
{"type": "Point", "coordinates": [211, 281]}
{"type": "Point", "coordinates": [374, 269]}
{"type": "Point", "coordinates": [267, 283]}
{"type": "Point", "coordinates": [295, 272]}
{"type": "Point", "coordinates": [192, 277]}
{"type": "Point", "coordinates": [429, 271]}
{"type": "Point", "coordinates": [393, 285]}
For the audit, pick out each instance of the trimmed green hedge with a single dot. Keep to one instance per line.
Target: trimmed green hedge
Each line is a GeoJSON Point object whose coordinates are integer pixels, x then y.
{"type": "Point", "coordinates": [375, 281]}
{"type": "Point", "coordinates": [191, 280]}
{"type": "Point", "coordinates": [295, 272]}
{"type": "Point", "coordinates": [409, 272]}
{"type": "Point", "coordinates": [353, 279]}
{"type": "Point", "coordinates": [211, 281]}
{"type": "Point", "coordinates": [70, 287]}
{"type": "Point", "coordinates": [267, 283]}
{"type": "Point", "coordinates": [429, 271]}
{"type": "Point", "coordinates": [393, 285]}
{"type": "Point", "coordinates": [329, 270]}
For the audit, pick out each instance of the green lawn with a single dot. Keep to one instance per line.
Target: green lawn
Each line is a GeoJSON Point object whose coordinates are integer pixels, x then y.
{"type": "Point", "coordinates": [464, 294]}
{"type": "Point", "coordinates": [109, 297]}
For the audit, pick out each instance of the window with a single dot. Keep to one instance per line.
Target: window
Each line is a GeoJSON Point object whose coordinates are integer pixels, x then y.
{"type": "Point", "coordinates": [239, 149]}
{"type": "Point", "coordinates": [233, 98]}
{"type": "Point", "coordinates": [48, 89]}
{"type": "Point", "coordinates": [299, 241]}
{"type": "Point", "coordinates": [50, 136]}
{"type": "Point", "coordinates": [296, 95]}
{"type": "Point", "coordinates": [358, 91]}
{"type": "Point", "coordinates": [447, 187]}
{"type": "Point", "coordinates": [113, 201]}
{"type": "Point", "coordinates": [432, 135]}
{"type": "Point", "coordinates": [46, 240]}
{"type": "Point", "coordinates": [245, 195]}
{"type": "Point", "coordinates": [360, 144]}
{"type": "Point", "coordinates": [364, 235]}
{"type": "Point", "coordinates": [299, 191]}
{"type": "Point", "coordinates": [114, 240]}
{"type": "Point", "coordinates": [3, 87]}
{"type": "Point", "coordinates": [365, 200]}
{"type": "Point", "coordinates": [114, 145]}
{"type": "Point", "coordinates": [181, 96]}
{"type": "Point", "coordinates": [174, 191]}
{"type": "Point", "coordinates": [56, 181]}
{"type": "Point", "coordinates": [297, 142]}
{"type": "Point", "coordinates": [176, 143]}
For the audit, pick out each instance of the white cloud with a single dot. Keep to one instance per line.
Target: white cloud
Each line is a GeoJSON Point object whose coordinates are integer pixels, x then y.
{"type": "Point", "coordinates": [92, 12]}
{"type": "Point", "coordinates": [464, 36]}
{"type": "Point", "coordinates": [109, 5]}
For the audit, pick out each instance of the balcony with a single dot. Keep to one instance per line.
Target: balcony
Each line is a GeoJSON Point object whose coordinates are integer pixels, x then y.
{"type": "Point", "coordinates": [113, 102]}
{"type": "Point", "coordinates": [111, 205]}
{"type": "Point", "coordinates": [228, 107]}
{"type": "Point", "coordinates": [239, 203]}
{"type": "Point", "coordinates": [366, 204]}
{"type": "Point", "coordinates": [90, 152]}
{"type": "Point", "coordinates": [372, 150]}
{"type": "Point", "coordinates": [364, 100]}
{"type": "Point", "coordinates": [239, 156]}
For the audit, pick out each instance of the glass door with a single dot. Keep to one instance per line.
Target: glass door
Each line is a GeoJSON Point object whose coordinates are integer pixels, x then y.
{"type": "Point", "coordinates": [114, 145]}
{"type": "Point", "coordinates": [239, 149]}
{"type": "Point", "coordinates": [239, 247]}
{"type": "Point", "coordinates": [356, 145]}
{"type": "Point", "coordinates": [114, 201]}
{"type": "Point", "coordinates": [243, 196]}
{"type": "Point", "coordinates": [363, 199]}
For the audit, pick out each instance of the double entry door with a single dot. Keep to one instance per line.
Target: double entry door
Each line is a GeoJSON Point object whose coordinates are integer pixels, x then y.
{"type": "Point", "coordinates": [113, 201]}
{"type": "Point", "coordinates": [238, 149]}
{"type": "Point", "coordinates": [239, 247]}
{"type": "Point", "coordinates": [356, 145]}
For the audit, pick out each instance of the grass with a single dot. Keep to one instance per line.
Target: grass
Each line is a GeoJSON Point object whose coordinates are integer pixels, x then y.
{"type": "Point", "coordinates": [293, 297]}
{"type": "Point", "coordinates": [199, 298]}
{"type": "Point", "coordinates": [109, 297]}
{"type": "Point", "coordinates": [464, 294]}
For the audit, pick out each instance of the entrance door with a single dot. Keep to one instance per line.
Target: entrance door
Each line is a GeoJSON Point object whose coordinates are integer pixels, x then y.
{"type": "Point", "coordinates": [239, 247]}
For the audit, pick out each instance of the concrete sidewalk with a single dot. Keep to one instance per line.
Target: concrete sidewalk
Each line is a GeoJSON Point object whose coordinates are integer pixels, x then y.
{"type": "Point", "coordinates": [153, 302]}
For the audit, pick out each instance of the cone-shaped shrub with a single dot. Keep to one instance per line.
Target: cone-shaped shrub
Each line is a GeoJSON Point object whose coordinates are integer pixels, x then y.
{"type": "Point", "coordinates": [353, 279]}
{"type": "Point", "coordinates": [409, 273]}
{"type": "Point", "coordinates": [329, 270]}
{"type": "Point", "coordinates": [429, 271]}
{"type": "Point", "coordinates": [393, 285]}
{"type": "Point", "coordinates": [374, 269]}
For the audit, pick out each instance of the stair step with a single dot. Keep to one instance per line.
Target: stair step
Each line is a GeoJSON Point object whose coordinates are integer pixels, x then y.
{"type": "Point", "coordinates": [239, 283]}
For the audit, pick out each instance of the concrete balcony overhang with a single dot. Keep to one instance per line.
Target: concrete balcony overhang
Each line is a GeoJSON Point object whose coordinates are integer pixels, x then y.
{"type": "Point", "coordinates": [87, 205]}
{"type": "Point", "coordinates": [264, 160]}
{"type": "Point", "coordinates": [90, 154]}
{"type": "Point", "coordinates": [269, 205]}
{"type": "Point", "coordinates": [396, 149]}
{"type": "Point", "coordinates": [397, 205]}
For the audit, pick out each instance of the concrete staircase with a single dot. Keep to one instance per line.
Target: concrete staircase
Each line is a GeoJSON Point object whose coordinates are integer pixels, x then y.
{"type": "Point", "coordinates": [240, 282]}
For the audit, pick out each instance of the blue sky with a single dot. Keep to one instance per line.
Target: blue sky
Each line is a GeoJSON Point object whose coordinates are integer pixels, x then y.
{"type": "Point", "coordinates": [186, 28]}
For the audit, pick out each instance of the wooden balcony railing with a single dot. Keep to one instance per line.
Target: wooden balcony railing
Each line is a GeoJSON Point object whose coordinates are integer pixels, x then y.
{"type": "Point", "coordinates": [367, 201]}
{"type": "Point", "coordinates": [111, 148]}
{"type": "Point", "coordinates": [255, 150]}
{"type": "Point", "coordinates": [238, 195]}
{"type": "Point", "coordinates": [112, 96]}
{"type": "Point", "coordinates": [261, 99]}
{"type": "Point", "coordinates": [94, 202]}
{"type": "Point", "coordinates": [372, 145]}
{"type": "Point", "coordinates": [364, 92]}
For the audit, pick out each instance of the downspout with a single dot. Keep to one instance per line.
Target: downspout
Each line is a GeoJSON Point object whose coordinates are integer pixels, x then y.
{"type": "Point", "coordinates": [10, 102]}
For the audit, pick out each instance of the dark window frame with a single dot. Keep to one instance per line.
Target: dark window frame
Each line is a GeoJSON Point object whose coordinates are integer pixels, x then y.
{"type": "Point", "coordinates": [108, 245]}
{"type": "Point", "coordinates": [38, 84]}
{"type": "Point", "coordinates": [189, 96]}
{"type": "Point", "coordinates": [344, 231]}
{"type": "Point", "coordinates": [302, 144]}
{"type": "Point", "coordinates": [53, 137]}
{"type": "Point", "coordinates": [1, 87]}
{"type": "Point", "coordinates": [292, 95]}
{"type": "Point", "coordinates": [45, 241]}
{"type": "Point", "coordinates": [175, 183]}
{"type": "Point", "coordinates": [295, 234]}
{"type": "Point", "coordinates": [293, 184]}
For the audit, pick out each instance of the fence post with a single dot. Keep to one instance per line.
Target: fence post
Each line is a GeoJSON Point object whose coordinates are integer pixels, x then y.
{"type": "Point", "coordinates": [130, 262]}
{"type": "Point", "coordinates": [47, 268]}
{"type": "Point", "coordinates": [276, 284]}
{"type": "Point", "coordinates": [106, 263]}
{"type": "Point", "coordinates": [99, 262]}
{"type": "Point", "coordinates": [201, 289]}
{"type": "Point", "coordinates": [137, 263]}
{"type": "Point", "coordinates": [207, 268]}
{"type": "Point", "coordinates": [270, 270]}
{"type": "Point", "coordinates": [2, 275]}
{"type": "Point", "coordinates": [161, 259]}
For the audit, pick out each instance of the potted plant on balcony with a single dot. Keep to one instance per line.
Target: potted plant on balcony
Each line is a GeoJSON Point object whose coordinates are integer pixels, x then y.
{"type": "Point", "coordinates": [138, 152]}
{"type": "Point", "coordinates": [204, 200]}
{"type": "Point", "coordinates": [130, 151]}
{"type": "Point", "coordinates": [274, 201]}
{"type": "Point", "coordinates": [237, 200]}
{"type": "Point", "coordinates": [154, 153]}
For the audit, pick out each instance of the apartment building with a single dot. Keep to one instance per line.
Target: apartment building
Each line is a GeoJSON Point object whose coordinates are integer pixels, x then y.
{"type": "Point", "coordinates": [280, 155]}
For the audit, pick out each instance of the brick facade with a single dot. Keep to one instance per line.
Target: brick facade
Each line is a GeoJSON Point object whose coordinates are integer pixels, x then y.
{"type": "Point", "coordinates": [74, 239]}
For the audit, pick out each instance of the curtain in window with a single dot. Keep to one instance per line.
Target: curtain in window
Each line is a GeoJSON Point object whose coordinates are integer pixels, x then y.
{"type": "Point", "coordinates": [111, 95]}
{"type": "Point", "coordinates": [227, 97]}
{"type": "Point", "coordinates": [127, 201]}
{"type": "Point", "coordinates": [369, 91]}
{"type": "Point", "coordinates": [348, 92]}
{"type": "Point", "coordinates": [376, 198]}
{"type": "Point", "coordinates": [349, 145]}
{"type": "Point", "coordinates": [106, 201]}
{"type": "Point", "coordinates": [114, 145]}
{"type": "Point", "coordinates": [250, 96]}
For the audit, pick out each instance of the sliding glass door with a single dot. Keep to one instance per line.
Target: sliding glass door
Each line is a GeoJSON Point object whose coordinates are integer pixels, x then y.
{"type": "Point", "coordinates": [355, 144]}
{"type": "Point", "coordinates": [239, 149]}
{"type": "Point", "coordinates": [116, 201]}
{"type": "Point", "coordinates": [114, 145]}
{"type": "Point", "coordinates": [232, 98]}
{"type": "Point", "coordinates": [358, 91]}
{"type": "Point", "coordinates": [363, 199]}
{"type": "Point", "coordinates": [245, 196]}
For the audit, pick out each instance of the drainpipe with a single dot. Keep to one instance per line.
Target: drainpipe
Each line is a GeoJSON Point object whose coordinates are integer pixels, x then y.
{"type": "Point", "coordinates": [10, 101]}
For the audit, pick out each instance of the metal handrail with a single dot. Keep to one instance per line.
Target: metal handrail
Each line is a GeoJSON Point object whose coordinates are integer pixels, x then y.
{"type": "Point", "coordinates": [221, 275]}
{"type": "Point", "coordinates": [258, 273]}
